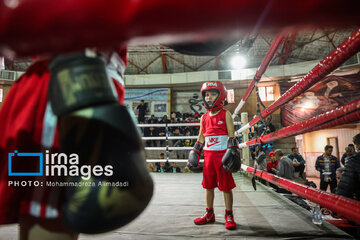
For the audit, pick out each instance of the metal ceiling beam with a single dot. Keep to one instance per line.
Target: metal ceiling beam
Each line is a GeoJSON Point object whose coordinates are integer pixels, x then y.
{"type": "Point", "coordinates": [181, 62]}
{"type": "Point", "coordinates": [206, 62]}
{"type": "Point", "coordinates": [285, 52]}
{"type": "Point", "coordinates": [163, 61]}
{"type": "Point", "coordinates": [130, 62]}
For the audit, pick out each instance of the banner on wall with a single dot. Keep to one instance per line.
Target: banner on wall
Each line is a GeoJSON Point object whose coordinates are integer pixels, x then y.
{"type": "Point", "coordinates": [156, 100]}
{"type": "Point", "coordinates": [329, 93]}
{"type": "Point", "coordinates": [188, 102]}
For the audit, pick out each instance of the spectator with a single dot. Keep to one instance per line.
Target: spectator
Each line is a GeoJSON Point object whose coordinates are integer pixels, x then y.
{"type": "Point", "coordinates": [260, 161]}
{"type": "Point", "coordinates": [165, 119]}
{"type": "Point", "coordinates": [162, 130]}
{"type": "Point", "coordinates": [285, 167]}
{"type": "Point", "coordinates": [339, 173]}
{"type": "Point", "coordinates": [271, 166]}
{"type": "Point", "coordinates": [298, 161]}
{"type": "Point", "coordinates": [162, 168]}
{"type": "Point", "coordinates": [152, 119]}
{"type": "Point", "coordinates": [142, 130]}
{"type": "Point", "coordinates": [151, 132]}
{"type": "Point", "coordinates": [270, 127]}
{"type": "Point", "coordinates": [188, 142]}
{"type": "Point", "coordinates": [174, 168]}
{"type": "Point", "coordinates": [349, 152]}
{"type": "Point", "coordinates": [196, 128]}
{"type": "Point", "coordinates": [258, 150]}
{"type": "Point", "coordinates": [327, 164]}
{"type": "Point", "coordinates": [142, 111]}
{"type": "Point", "coordinates": [178, 143]}
{"type": "Point", "coordinates": [349, 185]}
{"type": "Point", "coordinates": [167, 164]}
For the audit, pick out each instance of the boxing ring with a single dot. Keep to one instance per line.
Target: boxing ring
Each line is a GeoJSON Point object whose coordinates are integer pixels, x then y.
{"type": "Point", "coordinates": [179, 198]}
{"type": "Point", "coordinates": [347, 113]}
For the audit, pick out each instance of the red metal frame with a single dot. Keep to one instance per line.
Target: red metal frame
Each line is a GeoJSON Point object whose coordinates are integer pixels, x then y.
{"type": "Point", "coordinates": [285, 52]}
{"type": "Point", "coordinates": [264, 65]}
{"type": "Point", "coordinates": [337, 57]}
{"type": "Point", "coordinates": [347, 207]}
{"type": "Point", "coordinates": [163, 61]}
{"type": "Point", "coordinates": [344, 114]}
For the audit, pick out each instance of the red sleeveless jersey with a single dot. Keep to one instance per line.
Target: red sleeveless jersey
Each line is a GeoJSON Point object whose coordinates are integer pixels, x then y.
{"type": "Point", "coordinates": [214, 125]}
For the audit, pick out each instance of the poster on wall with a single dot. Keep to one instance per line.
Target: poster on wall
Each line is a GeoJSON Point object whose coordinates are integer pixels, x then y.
{"type": "Point", "coordinates": [160, 107]}
{"type": "Point", "coordinates": [331, 92]}
{"type": "Point", "coordinates": [188, 102]}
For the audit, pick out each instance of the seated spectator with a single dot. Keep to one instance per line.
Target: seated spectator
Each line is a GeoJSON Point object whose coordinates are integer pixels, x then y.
{"type": "Point", "coordinates": [162, 168]}
{"type": "Point", "coordinates": [349, 185]}
{"type": "Point", "coordinates": [188, 142]}
{"type": "Point", "coordinates": [298, 161]}
{"type": "Point", "coordinates": [174, 168]}
{"type": "Point", "coordinates": [270, 127]}
{"type": "Point", "coordinates": [152, 120]}
{"type": "Point", "coordinates": [184, 129]}
{"type": "Point", "coordinates": [349, 152]}
{"type": "Point", "coordinates": [285, 166]}
{"type": "Point", "coordinates": [327, 164]}
{"type": "Point", "coordinates": [260, 161]}
{"type": "Point", "coordinates": [272, 164]}
{"type": "Point", "coordinates": [164, 119]}
{"type": "Point", "coordinates": [178, 143]}
{"type": "Point", "coordinates": [196, 128]}
{"type": "Point", "coordinates": [186, 169]}
{"type": "Point", "coordinates": [151, 132]}
{"type": "Point", "coordinates": [172, 129]}
{"type": "Point", "coordinates": [162, 130]}
{"type": "Point", "coordinates": [167, 164]}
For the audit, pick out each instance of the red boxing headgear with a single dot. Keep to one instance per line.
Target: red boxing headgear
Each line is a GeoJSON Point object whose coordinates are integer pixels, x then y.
{"type": "Point", "coordinates": [271, 154]}
{"type": "Point", "coordinates": [220, 100]}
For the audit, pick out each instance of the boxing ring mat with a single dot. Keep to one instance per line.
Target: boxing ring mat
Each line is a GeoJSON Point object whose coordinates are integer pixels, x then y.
{"type": "Point", "coordinates": [179, 198]}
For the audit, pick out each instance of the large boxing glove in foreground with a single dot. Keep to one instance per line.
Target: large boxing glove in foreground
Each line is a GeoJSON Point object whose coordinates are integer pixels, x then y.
{"type": "Point", "coordinates": [113, 185]}
{"type": "Point", "coordinates": [194, 158]}
{"type": "Point", "coordinates": [231, 159]}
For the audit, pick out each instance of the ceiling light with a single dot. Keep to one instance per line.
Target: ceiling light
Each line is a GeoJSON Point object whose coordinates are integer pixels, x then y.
{"type": "Point", "coordinates": [238, 62]}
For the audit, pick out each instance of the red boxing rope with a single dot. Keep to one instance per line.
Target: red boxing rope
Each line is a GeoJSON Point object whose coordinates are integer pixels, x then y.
{"type": "Point", "coordinates": [30, 27]}
{"type": "Point", "coordinates": [337, 57]}
{"type": "Point", "coordinates": [347, 207]}
{"type": "Point", "coordinates": [264, 65]}
{"type": "Point", "coordinates": [349, 112]}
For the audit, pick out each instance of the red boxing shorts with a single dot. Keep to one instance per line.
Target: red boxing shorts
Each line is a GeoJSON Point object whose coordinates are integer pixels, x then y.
{"type": "Point", "coordinates": [214, 174]}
